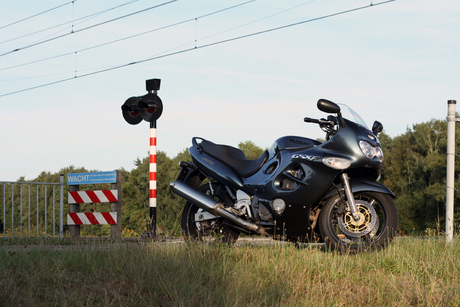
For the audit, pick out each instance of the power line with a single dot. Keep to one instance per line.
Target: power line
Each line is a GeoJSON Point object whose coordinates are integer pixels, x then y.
{"type": "Point", "coordinates": [201, 47]}
{"type": "Point", "coordinates": [89, 27]}
{"type": "Point", "coordinates": [295, 24]}
{"type": "Point", "coordinates": [38, 14]}
{"type": "Point", "coordinates": [254, 21]}
{"type": "Point", "coordinates": [131, 36]}
{"type": "Point", "coordinates": [84, 18]}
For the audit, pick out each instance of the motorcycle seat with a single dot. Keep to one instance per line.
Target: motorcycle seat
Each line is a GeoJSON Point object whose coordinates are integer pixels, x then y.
{"type": "Point", "coordinates": [234, 157]}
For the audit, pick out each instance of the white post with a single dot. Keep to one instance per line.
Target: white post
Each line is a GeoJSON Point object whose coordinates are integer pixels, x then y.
{"type": "Point", "coordinates": [450, 178]}
{"type": "Point", "coordinates": [61, 207]}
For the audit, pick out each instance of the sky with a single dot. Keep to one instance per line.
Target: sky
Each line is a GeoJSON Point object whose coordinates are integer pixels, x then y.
{"type": "Point", "coordinates": [231, 71]}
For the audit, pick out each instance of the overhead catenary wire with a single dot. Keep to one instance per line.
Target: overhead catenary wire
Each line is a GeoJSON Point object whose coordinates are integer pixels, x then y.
{"type": "Point", "coordinates": [201, 47]}
{"type": "Point", "coordinates": [87, 28]}
{"type": "Point", "coordinates": [130, 36]}
{"type": "Point", "coordinates": [38, 14]}
{"type": "Point", "coordinates": [73, 21]}
{"type": "Point", "coordinates": [257, 20]}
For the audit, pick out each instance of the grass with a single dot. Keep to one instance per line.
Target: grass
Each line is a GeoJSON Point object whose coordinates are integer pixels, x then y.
{"type": "Point", "coordinates": [410, 272]}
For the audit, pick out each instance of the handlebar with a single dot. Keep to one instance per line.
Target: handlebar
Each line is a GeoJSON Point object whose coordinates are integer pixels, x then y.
{"type": "Point", "coordinates": [319, 121]}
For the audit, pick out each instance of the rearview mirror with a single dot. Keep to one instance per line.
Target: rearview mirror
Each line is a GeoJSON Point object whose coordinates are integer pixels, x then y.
{"type": "Point", "coordinates": [328, 106]}
{"type": "Point", "coordinates": [331, 107]}
{"type": "Point", "coordinates": [377, 127]}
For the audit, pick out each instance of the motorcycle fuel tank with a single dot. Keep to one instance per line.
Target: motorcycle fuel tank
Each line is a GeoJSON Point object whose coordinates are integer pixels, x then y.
{"type": "Point", "coordinates": [291, 142]}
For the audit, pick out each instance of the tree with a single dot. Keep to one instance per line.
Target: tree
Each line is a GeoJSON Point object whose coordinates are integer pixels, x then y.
{"type": "Point", "coordinates": [251, 150]}
{"type": "Point", "coordinates": [136, 195]}
{"type": "Point", "coordinates": [415, 169]}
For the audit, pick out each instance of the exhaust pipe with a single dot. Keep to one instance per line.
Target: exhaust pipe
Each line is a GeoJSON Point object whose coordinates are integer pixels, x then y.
{"type": "Point", "coordinates": [212, 206]}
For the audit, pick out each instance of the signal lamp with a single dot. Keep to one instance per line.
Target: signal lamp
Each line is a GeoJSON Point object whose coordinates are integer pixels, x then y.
{"type": "Point", "coordinates": [150, 107]}
{"type": "Point", "coordinates": [130, 111]}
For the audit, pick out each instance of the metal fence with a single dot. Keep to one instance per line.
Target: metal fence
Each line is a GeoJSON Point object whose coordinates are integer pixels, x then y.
{"type": "Point", "coordinates": [29, 208]}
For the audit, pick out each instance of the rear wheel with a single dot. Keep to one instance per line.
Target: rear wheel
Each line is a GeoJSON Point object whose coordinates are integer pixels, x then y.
{"type": "Point", "coordinates": [198, 225]}
{"type": "Point", "coordinates": [375, 229]}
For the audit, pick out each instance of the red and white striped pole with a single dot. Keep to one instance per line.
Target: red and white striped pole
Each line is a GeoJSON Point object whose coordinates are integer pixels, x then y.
{"type": "Point", "coordinates": [153, 178]}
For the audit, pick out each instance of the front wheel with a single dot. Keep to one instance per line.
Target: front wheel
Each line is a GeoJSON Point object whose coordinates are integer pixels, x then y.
{"type": "Point", "coordinates": [196, 224]}
{"type": "Point", "coordinates": [375, 229]}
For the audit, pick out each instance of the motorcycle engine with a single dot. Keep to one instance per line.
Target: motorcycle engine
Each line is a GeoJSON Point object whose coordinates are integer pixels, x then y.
{"type": "Point", "coordinates": [287, 184]}
{"type": "Point", "coordinates": [264, 213]}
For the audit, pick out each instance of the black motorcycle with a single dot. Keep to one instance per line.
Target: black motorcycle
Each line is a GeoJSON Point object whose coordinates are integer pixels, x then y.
{"type": "Point", "coordinates": [300, 190]}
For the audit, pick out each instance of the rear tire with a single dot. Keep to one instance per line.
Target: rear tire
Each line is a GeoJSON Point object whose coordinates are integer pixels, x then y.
{"type": "Point", "coordinates": [208, 230]}
{"type": "Point", "coordinates": [377, 227]}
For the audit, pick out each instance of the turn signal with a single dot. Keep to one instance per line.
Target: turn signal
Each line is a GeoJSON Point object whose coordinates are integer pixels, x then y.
{"type": "Point", "coordinates": [337, 163]}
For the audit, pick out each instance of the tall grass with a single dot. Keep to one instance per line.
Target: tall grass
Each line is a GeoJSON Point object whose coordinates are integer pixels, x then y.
{"type": "Point", "coordinates": [410, 272]}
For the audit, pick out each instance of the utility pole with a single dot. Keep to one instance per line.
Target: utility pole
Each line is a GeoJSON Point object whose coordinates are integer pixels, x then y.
{"type": "Point", "coordinates": [450, 178]}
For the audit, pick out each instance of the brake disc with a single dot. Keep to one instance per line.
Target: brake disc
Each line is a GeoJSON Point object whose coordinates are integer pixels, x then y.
{"type": "Point", "coordinates": [367, 224]}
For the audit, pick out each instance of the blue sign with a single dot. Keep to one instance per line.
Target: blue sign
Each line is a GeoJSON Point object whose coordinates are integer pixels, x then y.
{"type": "Point", "coordinates": [91, 178]}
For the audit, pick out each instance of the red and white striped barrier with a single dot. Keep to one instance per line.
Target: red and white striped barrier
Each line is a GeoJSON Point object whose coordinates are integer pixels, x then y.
{"type": "Point", "coordinates": [92, 218]}
{"type": "Point", "coordinates": [83, 197]}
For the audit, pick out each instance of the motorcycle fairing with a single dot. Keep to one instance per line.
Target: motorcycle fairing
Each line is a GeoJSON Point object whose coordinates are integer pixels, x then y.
{"type": "Point", "coordinates": [291, 177]}
{"type": "Point", "coordinates": [294, 224]}
{"type": "Point", "coordinates": [274, 179]}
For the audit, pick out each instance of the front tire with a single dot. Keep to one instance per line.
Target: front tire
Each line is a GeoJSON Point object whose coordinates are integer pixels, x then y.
{"type": "Point", "coordinates": [207, 230]}
{"type": "Point", "coordinates": [376, 228]}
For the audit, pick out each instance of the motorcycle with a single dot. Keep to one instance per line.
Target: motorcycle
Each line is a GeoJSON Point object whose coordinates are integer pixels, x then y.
{"type": "Point", "coordinates": [299, 190]}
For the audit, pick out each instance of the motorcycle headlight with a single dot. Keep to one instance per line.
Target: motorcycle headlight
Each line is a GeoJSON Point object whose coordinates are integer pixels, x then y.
{"type": "Point", "coordinates": [370, 151]}
{"type": "Point", "coordinates": [379, 153]}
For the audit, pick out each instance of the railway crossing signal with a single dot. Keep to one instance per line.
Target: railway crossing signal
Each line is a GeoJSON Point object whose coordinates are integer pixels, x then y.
{"type": "Point", "coordinates": [149, 108]}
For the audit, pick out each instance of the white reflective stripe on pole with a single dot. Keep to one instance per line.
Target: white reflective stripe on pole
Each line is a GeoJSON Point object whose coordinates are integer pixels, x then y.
{"type": "Point", "coordinates": [153, 167]}
{"type": "Point", "coordinates": [450, 170]}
